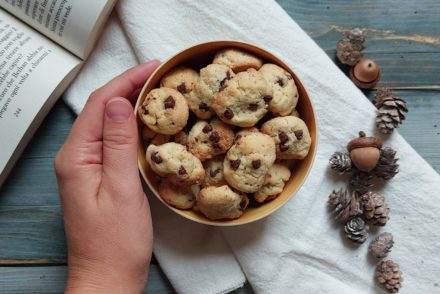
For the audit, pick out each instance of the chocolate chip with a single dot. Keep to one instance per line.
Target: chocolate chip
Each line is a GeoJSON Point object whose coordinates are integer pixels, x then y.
{"type": "Point", "coordinates": [155, 157]}
{"type": "Point", "coordinates": [216, 145]}
{"type": "Point", "coordinates": [253, 106]}
{"type": "Point", "coordinates": [203, 106]}
{"type": "Point", "coordinates": [223, 82]}
{"type": "Point", "coordinates": [280, 81]}
{"type": "Point", "coordinates": [235, 164]}
{"type": "Point", "coordinates": [228, 113]}
{"type": "Point", "coordinates": [182, 170]}
{"type": "Point", "coordinates": [169, 102]}
{"type": "Point", "coordinates": [284, 147]}
{"type": "Point", "coordinates": [214, 137]}
{"type": "Point", "coordinates": [144, 110]}
{"type": "Point", "coordinates": [213, 173]}
{"type": "Point", "coordinates": [206, 129]}
{"type": "Point", "coordinates": [298, 134]}
{"type": "Point", "coordinates": [267, 98]}
{"type": "Point", "coordinates": [256, 164]}
{"type": "Point", "coordinates": [182, 88]}
{"type": "Point", "coordinates": [283, 137]}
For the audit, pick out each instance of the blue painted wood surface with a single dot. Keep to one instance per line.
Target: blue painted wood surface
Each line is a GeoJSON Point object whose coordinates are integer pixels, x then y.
{"type": "Point", "coordinates": [402, 37]}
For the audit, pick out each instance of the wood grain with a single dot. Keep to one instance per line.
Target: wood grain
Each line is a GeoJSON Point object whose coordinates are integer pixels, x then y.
{"type": "Point", "coordinates": [402, 36]}
{"type": "Point", "coordinates": [52, 279]}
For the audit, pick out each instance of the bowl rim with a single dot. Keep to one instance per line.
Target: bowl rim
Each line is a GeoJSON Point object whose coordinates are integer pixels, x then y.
{"type": "Point", "coordinates": [228, 223]}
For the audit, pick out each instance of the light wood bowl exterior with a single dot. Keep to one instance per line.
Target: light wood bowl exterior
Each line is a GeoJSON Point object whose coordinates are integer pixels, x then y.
{"type": "Point", "coordinates": [197, 57]}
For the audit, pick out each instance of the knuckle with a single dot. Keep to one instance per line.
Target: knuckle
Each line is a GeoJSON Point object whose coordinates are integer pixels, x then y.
{"type": "Point", "coordinates": [93, 96]}
{"type": "Point", "coordinates": [119, 140]}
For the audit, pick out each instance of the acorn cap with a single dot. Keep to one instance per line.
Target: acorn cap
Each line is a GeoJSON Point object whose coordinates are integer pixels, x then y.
{"type": "Point", "coordinates": [363, 141]}
{"type": "Point", "coordinates": [365, 74]}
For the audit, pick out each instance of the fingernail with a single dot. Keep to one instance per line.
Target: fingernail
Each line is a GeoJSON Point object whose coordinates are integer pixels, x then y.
{"type": "Point", "coordinates": [118, 110]}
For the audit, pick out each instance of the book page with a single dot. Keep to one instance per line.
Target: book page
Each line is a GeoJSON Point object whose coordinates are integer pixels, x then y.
{"type": "Point", "coordinates": [31, 68]}
{"type": "Point", "coordinates": [70, 23]}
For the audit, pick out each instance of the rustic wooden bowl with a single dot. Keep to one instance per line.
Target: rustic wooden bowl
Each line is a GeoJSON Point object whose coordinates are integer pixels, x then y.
{"type": "Point", "coordinates": [198, 57]}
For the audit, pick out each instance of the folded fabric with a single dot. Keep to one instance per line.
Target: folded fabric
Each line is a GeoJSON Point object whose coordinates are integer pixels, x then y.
{"type": "Point", "coordinates": [298, 249]}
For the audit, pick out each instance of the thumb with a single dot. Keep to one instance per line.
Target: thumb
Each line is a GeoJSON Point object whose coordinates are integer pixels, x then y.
{"type": "Point", "coordinates": [119, 143]}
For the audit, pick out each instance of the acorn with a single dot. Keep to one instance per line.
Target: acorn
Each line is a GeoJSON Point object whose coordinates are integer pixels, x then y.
{"type": "Point", "coordinates": [365, 152]}
{"type": "Point", "coordinates": [365, 74]}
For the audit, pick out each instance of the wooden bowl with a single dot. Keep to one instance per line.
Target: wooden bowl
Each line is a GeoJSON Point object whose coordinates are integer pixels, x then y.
{"type": "Point", "coordinates": [198, 57]}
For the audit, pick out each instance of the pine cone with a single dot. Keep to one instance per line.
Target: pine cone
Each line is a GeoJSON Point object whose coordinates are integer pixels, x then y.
{"type": "Point", "coordinates": [341, 162]}
{"type": "Point", "coordinates": [349, 48]}
{"type": "Point", "coordinates": [388, 274]}
{"type": "Point", "coordinates": [380, 246]}
{"type": "Point", "coordinates": [375, 209]}
{"type": "Point", "coordinates": [387, 166]}
{"type": "Point", "coordinates": [361, 182]}
{"type": "Point", "coordinates": [345, 205]}
{"type": "Point", "coordinates": [356, 230]}
{"type": "Point", "coordinates": [391, 110]}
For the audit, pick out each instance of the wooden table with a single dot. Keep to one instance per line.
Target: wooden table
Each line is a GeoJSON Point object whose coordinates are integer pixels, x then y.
{"type": "Point", "coordinates": [403, 37]}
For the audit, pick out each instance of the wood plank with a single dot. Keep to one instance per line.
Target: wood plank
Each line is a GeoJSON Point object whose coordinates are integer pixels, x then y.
{"type": "Point", "coordinates": [31, 232]}
{"type": "Point", "coordinates": [52, 279]}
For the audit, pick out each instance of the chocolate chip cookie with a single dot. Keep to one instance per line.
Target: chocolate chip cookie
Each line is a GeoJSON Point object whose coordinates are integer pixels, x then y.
{"type": "Point", "coordinates": [246, 164]}
{"type": "Point", "coordinates": [178, 196]}
{"type": "Point", "coordinates": [208, 139]}
{"type": "Point", "coordinates": [276, 178]}
{"type": "Point", "coordinates": [290, 135]}
{"type": "Point", "coordinates": [237, 59]}
{"type": "Point", "coordinates": [285, 93]}
{"type": "Point", "coordinates": [212, 78]}
{"type": "Point", "coordinates": [242, 101]}
{"type": "Point", "coordinates": [173, 161]}
{"type": "Point", "coordinates": [182, 78]}
{"type": "Point", "coordinates": [164, 111]}
{"type": "Point", "coordinates": [221, 203]}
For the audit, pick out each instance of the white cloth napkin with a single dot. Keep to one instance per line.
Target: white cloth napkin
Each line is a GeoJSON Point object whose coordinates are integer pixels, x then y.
{"type": "Point", "coordinates": [298, 249]}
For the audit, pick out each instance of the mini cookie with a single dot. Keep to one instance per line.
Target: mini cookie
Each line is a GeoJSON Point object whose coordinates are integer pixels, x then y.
{"type": "Point", "coordinates": [221, 203]}
{"type": "Point", "coordinates": [285, 93]}
{"type": "Point", "coordinates": [214, 173]}
{"type": "Point", "coordinates": [177, 196]}
{"type": "Point", "coordinates": [237, 60]}
{"type": "Point", "coordinates": [206, 140]}
{"type": "Point", "coordinates": [160, 139]}
{"type": "Point", "coordinates": [181, 138]}
{"type": "Point", "coordinates": [247, 162]}
{"type": "Point", "coordinates": [164, 111]}
{"type": "Point", "coordinates": [245, 132]}
{"type": "Point", "coordinates": [212, 78]}
{"type": "Point", "coordinates": [183, 79]}
{"type": "Point", "coordinates": [291, 136]}
{"type": "Point", "coordinates": [147, 135]}
{"type": "Point", "coordinates": [276, 178]}
{"type": "Point", "coordinates": [242, 102]}
{"type": "Point", "coordinates": [173, 161]}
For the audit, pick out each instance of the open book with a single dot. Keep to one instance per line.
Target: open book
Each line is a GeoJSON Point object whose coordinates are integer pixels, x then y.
{"type": "Point", "coordinates": [42, 46]}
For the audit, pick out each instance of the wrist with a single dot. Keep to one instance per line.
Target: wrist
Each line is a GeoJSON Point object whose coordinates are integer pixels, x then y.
{"type": "Point", "coordinates": [104, 279]}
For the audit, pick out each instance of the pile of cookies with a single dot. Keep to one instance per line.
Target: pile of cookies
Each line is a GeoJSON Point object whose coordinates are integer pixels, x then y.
{"type": "Point", "coordinates": [221, 135]}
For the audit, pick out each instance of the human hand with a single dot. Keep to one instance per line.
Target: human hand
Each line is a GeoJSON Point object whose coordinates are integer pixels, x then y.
{"type": "Point", "coordinates": [106, 214]}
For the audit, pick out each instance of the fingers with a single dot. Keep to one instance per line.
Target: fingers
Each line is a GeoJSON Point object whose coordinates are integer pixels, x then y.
{"type": "Point", "coordinates": [88, 125]}
{"type": "Point", "coordinates": [119, 145]}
